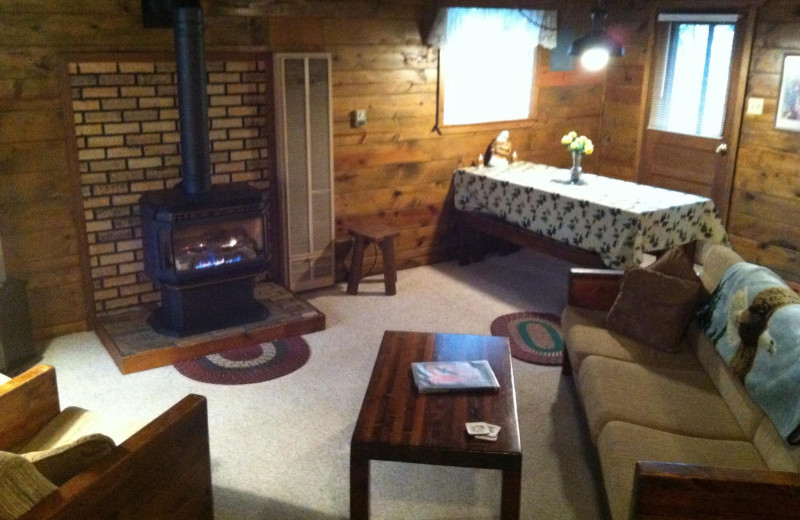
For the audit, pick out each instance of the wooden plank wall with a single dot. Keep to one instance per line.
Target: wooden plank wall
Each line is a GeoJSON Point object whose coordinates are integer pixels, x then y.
{"type": "Point", "coordinates": [40, 223]}
{"type": "Point", "coordinates": [765, 206]}
{"type": "Point", "coordinates": [620, 134]}
{"type": "Point", "coordinates": [395, 170]}
{"type": "Point", "coordinates": [764, 220]}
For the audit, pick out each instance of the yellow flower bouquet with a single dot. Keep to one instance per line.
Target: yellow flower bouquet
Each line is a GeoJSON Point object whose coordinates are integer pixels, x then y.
{"type": "Point", "coordinates": [576, 143]}
{"type": "Point", "coordinates": [577, 146]}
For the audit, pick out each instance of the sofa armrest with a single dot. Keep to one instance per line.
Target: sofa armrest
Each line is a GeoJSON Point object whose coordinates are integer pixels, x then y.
{"type": "Point", "coordinates": [162, 471]}
{"type": "Point", "coordinates": [594, 289]}
{"type": "Point", "coordinates": [27, 403]}
{"type": "Point", "coordinates": [670, 491]}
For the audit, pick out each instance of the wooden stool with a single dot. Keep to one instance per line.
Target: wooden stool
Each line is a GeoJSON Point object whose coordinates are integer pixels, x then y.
{"type": "Point", "coordinates": [384, 237]}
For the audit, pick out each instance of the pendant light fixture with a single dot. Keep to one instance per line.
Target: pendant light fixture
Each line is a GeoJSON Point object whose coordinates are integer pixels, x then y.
{"type": "Point", "coordinates": [595, 47]}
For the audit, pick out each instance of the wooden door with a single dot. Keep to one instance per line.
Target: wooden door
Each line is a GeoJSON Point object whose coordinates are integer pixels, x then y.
{"type": "Point", "coordinates": [699, 160]}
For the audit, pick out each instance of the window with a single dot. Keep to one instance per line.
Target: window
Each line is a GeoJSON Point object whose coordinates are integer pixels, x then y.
{"type": "Point", "coordinates": [691, 86]}
{"type": "Point", "coordinates": [487, 62]}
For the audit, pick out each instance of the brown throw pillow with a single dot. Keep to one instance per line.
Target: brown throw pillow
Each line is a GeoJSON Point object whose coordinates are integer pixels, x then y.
{"type": "Point", "coordinates": [654, 308]}
{"type": "Point", "coordinates": [60, 464]}
{"type": "Point", "coordinates": [675, 262]}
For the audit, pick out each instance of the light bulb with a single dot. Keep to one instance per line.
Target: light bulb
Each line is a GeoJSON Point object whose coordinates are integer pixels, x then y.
{"type": "Point", "coordinates": [595, 58]}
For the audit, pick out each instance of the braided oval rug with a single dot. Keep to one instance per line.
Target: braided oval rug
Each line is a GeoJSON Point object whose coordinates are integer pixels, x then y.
{"type": "Point", "coordinates": [534, 337]}
{"type": "Point", "coordinates": [251, 364]}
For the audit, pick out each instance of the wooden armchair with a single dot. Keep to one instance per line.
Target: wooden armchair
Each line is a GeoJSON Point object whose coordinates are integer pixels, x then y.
{"type": "Point", "coordinates": [162, 471]}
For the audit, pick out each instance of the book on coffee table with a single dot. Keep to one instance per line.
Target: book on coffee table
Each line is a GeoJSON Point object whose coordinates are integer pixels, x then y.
{"type": "Point", "coordinates": [453, 376]}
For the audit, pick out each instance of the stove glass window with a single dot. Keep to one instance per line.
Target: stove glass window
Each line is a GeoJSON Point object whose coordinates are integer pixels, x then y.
{"type": "Point", "coordinates": [208, 246]}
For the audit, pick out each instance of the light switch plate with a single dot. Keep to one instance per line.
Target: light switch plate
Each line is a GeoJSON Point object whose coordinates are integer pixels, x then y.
{"type": "Point", "coordinates": [755, 106]}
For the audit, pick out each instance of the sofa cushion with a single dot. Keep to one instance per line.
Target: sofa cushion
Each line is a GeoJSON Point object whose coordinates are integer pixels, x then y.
{"type": "Point", "coordinates": [654, 308]}
{"type": "Point", "coordinates": [678, 401]}
{"type": "Point", "coordinates": [21, 486]}
{"type": "Point", "coordinates": [585, 334]}
{"type": "Point", "coordinates": [747, 412]}
{"type": "Point", "coordinates": [620, 445]}
{"type": "Point", "coordinates": [62, 463]}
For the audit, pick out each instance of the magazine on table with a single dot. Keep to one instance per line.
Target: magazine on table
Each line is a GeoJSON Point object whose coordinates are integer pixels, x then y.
{"type": "Point", "coordinates": [453, 376]}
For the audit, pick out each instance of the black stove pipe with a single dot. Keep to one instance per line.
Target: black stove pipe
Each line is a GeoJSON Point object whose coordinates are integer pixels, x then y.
{"type": "Point", "coordinates": [192, 99]}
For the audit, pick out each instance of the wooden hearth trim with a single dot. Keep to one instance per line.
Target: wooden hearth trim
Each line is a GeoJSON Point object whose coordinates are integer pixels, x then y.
{"type": "Point", "coordinates": [290, 316]}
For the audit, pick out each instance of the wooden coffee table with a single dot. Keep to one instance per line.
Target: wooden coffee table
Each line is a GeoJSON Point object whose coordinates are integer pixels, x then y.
{"type": "Point", "coordinates": [396, 423]}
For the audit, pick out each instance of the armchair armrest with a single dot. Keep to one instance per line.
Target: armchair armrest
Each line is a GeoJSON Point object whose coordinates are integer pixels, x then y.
{"type": "Point", "coordinates": [28, 402]}
{"type": "Point", "coordinates": [163, 471]}
{"type": "Point", "coordinates": [594, 289]}
{"type": "Point", "coordinates": [669, 491]}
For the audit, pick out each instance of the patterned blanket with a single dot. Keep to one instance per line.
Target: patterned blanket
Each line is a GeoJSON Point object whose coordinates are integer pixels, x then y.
{"type": "Point", "coordinates": [753, 319]}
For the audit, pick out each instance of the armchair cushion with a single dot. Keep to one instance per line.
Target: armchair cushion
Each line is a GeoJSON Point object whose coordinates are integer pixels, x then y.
{"type": "Point", "coordinates": [21, 486]}
{"type": "Point", "coordinates": [72, 423]}
{"type": "Point", "coordinates": [62, 463]}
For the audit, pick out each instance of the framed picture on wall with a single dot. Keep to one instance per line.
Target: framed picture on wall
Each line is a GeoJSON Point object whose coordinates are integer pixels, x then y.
{"type": "Point", "coordinates": [788, 113]}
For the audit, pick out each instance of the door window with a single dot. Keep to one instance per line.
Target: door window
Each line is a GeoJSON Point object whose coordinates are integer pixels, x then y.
{"type": "Point", "coordinates": [690, 87]}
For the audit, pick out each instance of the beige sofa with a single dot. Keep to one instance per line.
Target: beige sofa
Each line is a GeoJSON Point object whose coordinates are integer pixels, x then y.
{"type": "Point", "coordinates": [677, 435]}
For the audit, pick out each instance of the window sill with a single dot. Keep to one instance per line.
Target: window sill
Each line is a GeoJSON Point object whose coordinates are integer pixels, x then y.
{"type": "Point", "coordinates": [484, 127]}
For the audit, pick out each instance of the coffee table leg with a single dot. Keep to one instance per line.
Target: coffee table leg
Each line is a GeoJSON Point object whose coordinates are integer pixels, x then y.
{"type": "Point", "coordinates": [359, 486]}
{"type": "Point", "coordinates": [510, 499]}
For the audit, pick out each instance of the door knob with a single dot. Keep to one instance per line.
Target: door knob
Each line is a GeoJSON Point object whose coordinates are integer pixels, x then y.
{"type": "Point", "coordinates": [722, 149]}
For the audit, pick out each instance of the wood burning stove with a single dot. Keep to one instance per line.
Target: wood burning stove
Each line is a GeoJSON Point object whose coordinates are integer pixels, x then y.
{"type": "Point", "coordinates": [203, 252]}
{"type": "Point", "coordinates": [203, 245]}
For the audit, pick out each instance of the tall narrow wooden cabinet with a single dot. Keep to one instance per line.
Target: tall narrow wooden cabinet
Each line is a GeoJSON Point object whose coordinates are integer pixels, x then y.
{"type": "Point", "coordinates": [304, 140]}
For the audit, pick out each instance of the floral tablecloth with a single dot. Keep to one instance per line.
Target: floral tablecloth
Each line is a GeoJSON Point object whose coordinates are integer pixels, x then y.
{"type": "Point", "coordinates": [617, 219]}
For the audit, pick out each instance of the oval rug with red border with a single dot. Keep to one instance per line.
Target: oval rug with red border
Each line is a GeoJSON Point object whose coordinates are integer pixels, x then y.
{"type": "Point", "coordinates": [250, 364]}
{"type": "Point", "coordinates": [534, 337]}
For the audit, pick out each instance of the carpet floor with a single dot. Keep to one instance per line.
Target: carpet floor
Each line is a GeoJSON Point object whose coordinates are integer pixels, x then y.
{"type": "Point", "coordinates": [280, 449]}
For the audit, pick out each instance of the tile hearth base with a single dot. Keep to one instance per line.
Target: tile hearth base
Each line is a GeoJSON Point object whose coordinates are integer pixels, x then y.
{"type": "Point", "coordinates": [135, 346]}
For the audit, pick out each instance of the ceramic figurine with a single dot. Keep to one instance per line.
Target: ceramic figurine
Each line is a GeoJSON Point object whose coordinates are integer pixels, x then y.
{"type": "Point", "coordinates": [498, 153]}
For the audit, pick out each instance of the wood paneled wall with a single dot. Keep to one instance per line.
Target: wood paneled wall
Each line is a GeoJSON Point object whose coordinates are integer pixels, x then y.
{"type": "Point", "coordinates": [396, 169]}
{"type": "Point", "coordinates": [764, 219]}
{"type": "Point", "coordinates": [40, 214]}
{"type": "Point", "coordinates": [764, 223]}
{"type": "Point", "coordinates": [620, 134]}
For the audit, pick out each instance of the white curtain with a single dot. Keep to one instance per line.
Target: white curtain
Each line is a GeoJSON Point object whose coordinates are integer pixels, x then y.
{"type": "Point", "coordinates": [520, 26]}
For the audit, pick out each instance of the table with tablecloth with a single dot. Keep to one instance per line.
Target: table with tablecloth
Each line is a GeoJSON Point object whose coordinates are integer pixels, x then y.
{"type": "Point", "coordinates": [618, 220]}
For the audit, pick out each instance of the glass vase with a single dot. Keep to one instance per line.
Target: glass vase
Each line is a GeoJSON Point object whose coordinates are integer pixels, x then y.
{"type": "Point", "coordinates": [576, 170]}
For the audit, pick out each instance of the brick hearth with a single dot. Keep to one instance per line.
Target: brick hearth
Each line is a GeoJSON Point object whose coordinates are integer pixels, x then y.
{"type": "Point", "coordinates": [135, 346]}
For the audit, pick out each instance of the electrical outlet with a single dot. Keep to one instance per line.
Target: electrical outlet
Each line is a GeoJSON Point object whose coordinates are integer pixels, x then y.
{"type": "Point", "coordinates": [755, 106]}
{"type": "Point", "coordinates": [358, 118]}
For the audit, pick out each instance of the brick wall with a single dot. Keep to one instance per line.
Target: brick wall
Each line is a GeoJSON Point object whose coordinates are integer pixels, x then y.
{"type": "Point", "coordinates": [126, 126]}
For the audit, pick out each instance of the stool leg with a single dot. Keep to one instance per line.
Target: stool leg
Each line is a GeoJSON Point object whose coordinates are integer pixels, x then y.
{"type": "Point", "coordinates": [356, 265]}
{"type": "Point", "coordinates": [389, 267]}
